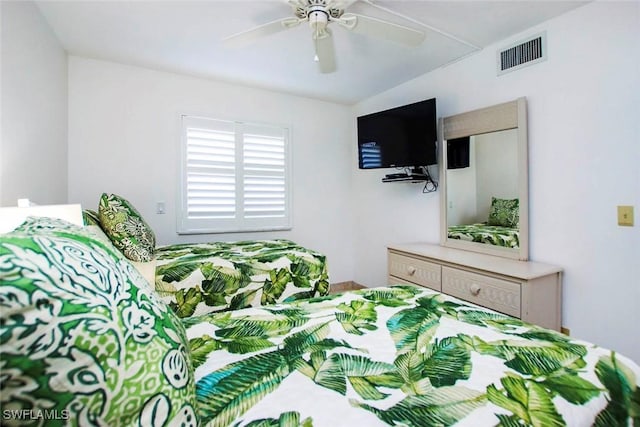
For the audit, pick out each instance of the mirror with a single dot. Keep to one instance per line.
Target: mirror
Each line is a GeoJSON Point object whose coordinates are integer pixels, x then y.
{"type": "Point", "coordinates": [484, 180]}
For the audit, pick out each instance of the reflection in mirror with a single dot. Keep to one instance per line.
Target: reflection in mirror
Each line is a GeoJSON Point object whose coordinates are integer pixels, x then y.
{"type": "Point", "coordinates": [474, 181]}
{"type": "Point", "coordinates": [485, 181]}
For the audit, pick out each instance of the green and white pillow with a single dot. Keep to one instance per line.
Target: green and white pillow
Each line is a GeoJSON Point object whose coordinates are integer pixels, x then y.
{"type": "Point", "coordinates": [83, 337]}
{"type": "Point", "coordinates": [504, 212]}
{"type": "Point", "coordinates": [126, 228]}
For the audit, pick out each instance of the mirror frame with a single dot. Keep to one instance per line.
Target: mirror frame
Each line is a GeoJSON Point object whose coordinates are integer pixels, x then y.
{"type": "Point", "coordinates": [509, 115]}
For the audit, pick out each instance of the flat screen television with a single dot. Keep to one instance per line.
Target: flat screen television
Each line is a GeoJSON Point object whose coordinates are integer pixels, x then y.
{"type": "Point", "coordinates": [404, 136]}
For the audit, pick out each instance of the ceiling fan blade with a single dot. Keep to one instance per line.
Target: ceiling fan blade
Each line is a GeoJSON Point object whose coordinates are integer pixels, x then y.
{"type": "Point", "coordinates": [325, 52]}
{"type": "Point", "coordinates": [383, 29]}
{"type": "Point", "coordinates": [246, 37]}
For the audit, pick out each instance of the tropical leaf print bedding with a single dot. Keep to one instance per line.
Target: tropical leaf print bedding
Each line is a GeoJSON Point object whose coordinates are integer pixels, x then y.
{"type": "Point", "coordinates": [207, 277]}
{"type": "Point", "coordinates": [401, 356]}
{"type": "Point", "coordinates": [483, 233]}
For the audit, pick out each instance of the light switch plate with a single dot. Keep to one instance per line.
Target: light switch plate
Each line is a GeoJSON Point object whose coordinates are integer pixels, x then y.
{"type": "Point", "coordinates": [625, 216]}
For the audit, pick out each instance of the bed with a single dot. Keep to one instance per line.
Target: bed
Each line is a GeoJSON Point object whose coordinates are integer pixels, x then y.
{"type": "Point", "coordinates": [86, 340]}
{"type": "Point", "coordinates": [483, 233]}
{"type": "Point", "coordinates": [500, 229]}
{"type": "Point", "coordinates": [401, 356]}
{"type": "Point", "coordinates": [196, 278]}
{"type": "Point", "coordinates": [218, 276]}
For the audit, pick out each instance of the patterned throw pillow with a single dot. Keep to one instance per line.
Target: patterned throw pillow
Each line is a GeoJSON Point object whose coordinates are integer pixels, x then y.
{"type": "Point", "coordinates": [83, 340]}
{"type": "Point", "coordinates": [126, 228]}
{"type": "Point", "coordinates": [504, 212]}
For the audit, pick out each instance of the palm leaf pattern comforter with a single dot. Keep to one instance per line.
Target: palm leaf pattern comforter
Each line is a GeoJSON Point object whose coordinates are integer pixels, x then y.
{"type": "Point", "coordinates": [201, 278]}
{"type": "Point", "coordinates": [483, 233]}
{"type": "Point", "coordinates": [401, 356]}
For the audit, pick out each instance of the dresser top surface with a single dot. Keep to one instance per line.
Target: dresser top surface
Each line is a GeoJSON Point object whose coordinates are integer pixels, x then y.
{"type": "Point", "coordinates": [526, 270]}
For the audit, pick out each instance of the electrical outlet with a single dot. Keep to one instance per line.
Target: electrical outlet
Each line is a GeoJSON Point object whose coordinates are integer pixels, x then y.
{"type": "Point", "coordinates": [160, 208]}
{"type": "Point", "coordinates": [625, 216]}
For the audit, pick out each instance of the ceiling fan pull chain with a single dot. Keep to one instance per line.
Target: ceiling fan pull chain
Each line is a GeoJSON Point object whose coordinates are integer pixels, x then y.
{"type": "Point", "coordinates": [315, 44]}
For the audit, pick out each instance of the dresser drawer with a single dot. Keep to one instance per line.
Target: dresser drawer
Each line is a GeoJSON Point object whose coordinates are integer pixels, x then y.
{"type": "Point", "coordinates": [496, 294]}
{"type": "Point", "coordinates": [415, 271]}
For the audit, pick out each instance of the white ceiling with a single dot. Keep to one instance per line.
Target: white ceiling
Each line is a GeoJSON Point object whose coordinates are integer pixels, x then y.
{"type": "Point", "coordinates": [185, 37]}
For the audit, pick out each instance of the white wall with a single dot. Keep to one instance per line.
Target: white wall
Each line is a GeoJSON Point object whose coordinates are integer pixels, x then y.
{"type": "Point", "coordinates": [584, 152]}
{"type": "Point", "coordinates": [495, 148]}
{"type": "Point", "coordinates": [33, 148]}
{"type": "Point", "coordinates": [462, 193]}
{"type": "Point", "coordinates": [124, 138]}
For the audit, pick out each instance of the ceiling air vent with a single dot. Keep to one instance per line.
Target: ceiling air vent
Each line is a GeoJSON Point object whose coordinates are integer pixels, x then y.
{"type": "Point", "coordinates": [523, 54]}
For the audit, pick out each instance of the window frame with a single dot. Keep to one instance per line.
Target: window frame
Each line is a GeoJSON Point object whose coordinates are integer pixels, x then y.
{"type": "Point", "coordinates": [238, 224]}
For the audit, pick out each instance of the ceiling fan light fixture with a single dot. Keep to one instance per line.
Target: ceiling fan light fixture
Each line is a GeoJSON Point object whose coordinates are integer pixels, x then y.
{"type": "Point", "coordinates": [318, 20]}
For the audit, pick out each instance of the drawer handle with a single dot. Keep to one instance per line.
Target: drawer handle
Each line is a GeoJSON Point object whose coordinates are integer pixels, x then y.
{"type": "Point", "coordinates": [474, 289]}
{"type": "Point", "coordinates": [411, 270]}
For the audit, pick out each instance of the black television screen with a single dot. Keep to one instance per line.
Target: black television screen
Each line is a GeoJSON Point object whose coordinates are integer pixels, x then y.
{"type": "Point", "coordinates": [400, 137]}
{"type": "Point", "coordinates": [458, 153]}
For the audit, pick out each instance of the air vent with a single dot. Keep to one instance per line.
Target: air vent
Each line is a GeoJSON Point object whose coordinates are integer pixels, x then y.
{"type": "Point", "coordinates": [523, 54]}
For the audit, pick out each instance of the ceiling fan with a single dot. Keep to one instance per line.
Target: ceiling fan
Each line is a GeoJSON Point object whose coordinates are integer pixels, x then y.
{"type": "Point", "coordinates": [321, 13]}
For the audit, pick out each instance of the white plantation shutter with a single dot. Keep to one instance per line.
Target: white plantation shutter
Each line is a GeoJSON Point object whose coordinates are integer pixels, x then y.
{"type": "Point", "coordinates": [264, 172]}
{"type": "Point", "coordinates": [235, 177]}
{"type": "Point", "coordinates": [210, 169]}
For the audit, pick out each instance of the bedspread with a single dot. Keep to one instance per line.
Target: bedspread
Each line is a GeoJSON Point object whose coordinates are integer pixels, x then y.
{"type": "Point", "coordinates": [206, 277]}
{"type": "Point", "coordinates": [401, 356]}
{"type": "Point", "coordinates": [483, 233]}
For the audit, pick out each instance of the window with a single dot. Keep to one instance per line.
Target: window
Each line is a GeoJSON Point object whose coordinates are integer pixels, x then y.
{"type": "Point", "coordinates": [235, 177]}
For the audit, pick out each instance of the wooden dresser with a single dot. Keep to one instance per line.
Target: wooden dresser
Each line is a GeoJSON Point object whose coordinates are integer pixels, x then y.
{"type": "Point", "coordinates": [530, 291]}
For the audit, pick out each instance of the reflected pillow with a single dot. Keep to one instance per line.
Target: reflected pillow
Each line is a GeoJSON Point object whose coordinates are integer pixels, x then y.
{"type": "Point", "coordinates": [84, 337]}
{"type": "Point", "coordinates": [126, 228]}
{"type": "Point", "coordinates": [504, 212]}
